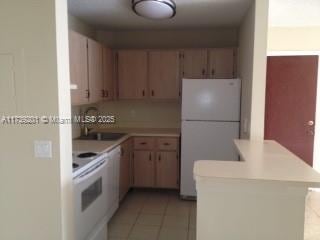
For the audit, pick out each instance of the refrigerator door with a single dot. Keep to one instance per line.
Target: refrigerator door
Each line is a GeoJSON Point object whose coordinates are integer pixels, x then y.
{"type": "Point", "coordinates": [211, 99]}
{"type": "Point", "coordinates": [205, 141]}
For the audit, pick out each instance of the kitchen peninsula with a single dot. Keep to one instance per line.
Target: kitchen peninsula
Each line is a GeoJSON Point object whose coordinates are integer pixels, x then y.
{"type": "Point", "coordinates": [261, 197]}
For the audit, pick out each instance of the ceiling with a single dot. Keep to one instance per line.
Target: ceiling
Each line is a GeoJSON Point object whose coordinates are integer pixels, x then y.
{"type": "Point", "coordinates": [118, 15]}
{"type": "Point", "coordinates": [294, 13]}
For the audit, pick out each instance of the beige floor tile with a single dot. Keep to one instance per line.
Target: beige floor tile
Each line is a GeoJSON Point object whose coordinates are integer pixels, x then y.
{"type": "Point", "coordinates": [142, 232]}
{"type": "Point", "coordinates": [157, 209]}
{"type": "Point", "coordinates": [119, 230]}
{"type": "Point", "coordinates": [173, 234]}
{"type": "Point", "coordinates": [126, 210]}
{"type": "Point", "coordinates": [163, 200]}
{"type": "Point", "coordinates": [311, 231]}
{"type": "Point", "coordinates": [150, 220]}
{"type": "Point", "coordinates": [176, 222]}
{"type": "Point", "coordinates": [192, 222]}
{"type": "Point", "coordinates": [313, 201]}
{"type": "Point", "coordinates": [124, 218]}
{"type": "Point", "coordinates": [311, 216]}
{"type": "Point", "coordinates": [178, 209]}
{"type": "Point", "coordinates": [192, 234]}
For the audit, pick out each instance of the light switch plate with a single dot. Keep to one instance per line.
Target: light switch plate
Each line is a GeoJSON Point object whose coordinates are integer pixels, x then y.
{"type": "Point", "coordinates": [43, 149]}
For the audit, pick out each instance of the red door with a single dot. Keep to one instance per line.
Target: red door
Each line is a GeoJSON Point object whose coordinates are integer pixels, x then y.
{"type": "Point", "coordinates": [291, 103]}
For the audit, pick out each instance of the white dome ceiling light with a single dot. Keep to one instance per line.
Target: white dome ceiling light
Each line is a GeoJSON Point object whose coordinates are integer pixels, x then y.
{"type": "Point", "coordinates": [154, 9]}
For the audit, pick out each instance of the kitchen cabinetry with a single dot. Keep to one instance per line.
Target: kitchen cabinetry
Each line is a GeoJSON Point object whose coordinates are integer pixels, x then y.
{"type": "Point", "coordinates": [144, 173]}
{"type": "Point", "coordinates": [157, 74]}
{"type": "Point", "coordinates": [125, 168]}
{"type": "Point", "coordinates": [108, 71]}
{"type": "Point", "coordinates": [132, 74]}
{"type": "Point", "coordinates": [164, 74]}
{"type": "Point", "coordinates": [95, 71]}
{"type": "Point", "coordinates": [91, 69]}
{"type": "Point", "coordinates": [78, 67]}
{"type": "Point", "coordinates": [195, 63]}
{"type": "Point", "coordinates": [156, 162]}
{"type": "Point", "coordinates": [167, 168]}
{"type": "Point", "coordinates": [222, 63]}
{"type": "Point", "coordinates": [209, 63]}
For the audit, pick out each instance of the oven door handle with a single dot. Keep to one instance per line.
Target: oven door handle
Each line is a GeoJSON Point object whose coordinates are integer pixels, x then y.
{"type": "Point", "coordinates": [90, 172]}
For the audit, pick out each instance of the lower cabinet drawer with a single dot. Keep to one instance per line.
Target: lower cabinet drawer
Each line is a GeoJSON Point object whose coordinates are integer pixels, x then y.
{"type": "Point", "coordinates": [143, 143]}
{"type": "Point", "coordinates": [167, 144]}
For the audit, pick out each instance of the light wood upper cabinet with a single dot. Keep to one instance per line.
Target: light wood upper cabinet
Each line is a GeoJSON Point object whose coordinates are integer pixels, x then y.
{"type": "Point", "coordinates": [132, 74]}
{"type": "Point", "coordinates": [96, 81]}
{"type": "Point", "coordinates": [78, 68]}
{"type": "Point", "coordinates": [167, 170]}
{"type": "Point", "coordinates": [108, 85]}
{"type": "Point", "coordinates": [144, 169]}
{"type": "Point", "coordinates": [222, 63]}
{"type": "Point", "coordinates": [195, 63]}
{"type": "Point", "coordinates": [164, 74]}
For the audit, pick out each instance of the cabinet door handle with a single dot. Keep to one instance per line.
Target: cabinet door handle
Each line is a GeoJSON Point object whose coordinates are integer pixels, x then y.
{"type": "Point", "coordinates": [166, 144]}
{"type": "Point", "coordinates": [143, 143]}
{"type": "Point", "coordinates": [143, 93]}
{"type": "Point", "coordinates": [203, 72]}
{"type": "Point", "coordinates": [212, 72]}
{"type": "Point", "coordinates": [122, 152]}
{"type": "Point", "coordinates": [150, 157]}
{"type": "Point", "coordinates": [159, 157]}
{"type": "Point", "coordinates": [152, 93]}
{"type": "Point", "coordinates": [103, 94]}
{"type": "Point", "coordinates": [87, 93]}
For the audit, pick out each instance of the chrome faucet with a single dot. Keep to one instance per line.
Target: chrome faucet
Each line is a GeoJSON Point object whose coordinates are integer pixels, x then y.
{"type": "Point", "coordinates": [84, 128]}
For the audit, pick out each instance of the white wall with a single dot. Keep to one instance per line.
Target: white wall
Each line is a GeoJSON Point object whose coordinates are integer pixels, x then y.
{"type": "Point", "coordinates": [219, 37]}
{"type": "Point", "coordinates": [294, 39]}
{"type": "Point", "coordinates": [252, 69]}
{"type": "Point", "coordinates": [36, 197]}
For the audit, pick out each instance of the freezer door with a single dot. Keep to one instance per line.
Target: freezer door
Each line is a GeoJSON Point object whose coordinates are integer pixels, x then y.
{"type": "Point", "coordinates": [205, 141]}
{"type": "Point", "coordinates": [211, 99]}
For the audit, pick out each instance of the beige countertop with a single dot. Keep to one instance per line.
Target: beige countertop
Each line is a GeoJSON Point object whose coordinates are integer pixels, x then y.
{"type": "Point", "coordinates": [105, 146]}
{"type": "Point", "coordinates": [262, 161]}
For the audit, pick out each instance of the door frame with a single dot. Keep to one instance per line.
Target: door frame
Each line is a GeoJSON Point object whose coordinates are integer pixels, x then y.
{"type": "Point", "coordinates": [316, 151]}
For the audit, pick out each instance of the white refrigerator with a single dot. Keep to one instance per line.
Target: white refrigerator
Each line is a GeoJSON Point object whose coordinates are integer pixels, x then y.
{"type": "Point", "coordinates": [210, 122]}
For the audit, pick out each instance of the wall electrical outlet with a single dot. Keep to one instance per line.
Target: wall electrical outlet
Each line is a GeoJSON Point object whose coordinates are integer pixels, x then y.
{"type": "Point", "coordinates": [43, 149]}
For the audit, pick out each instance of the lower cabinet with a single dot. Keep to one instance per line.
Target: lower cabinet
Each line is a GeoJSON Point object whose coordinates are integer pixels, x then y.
{"type": "Point", "coordinates": [167, 168]}
{"type": "Point", "coordinates": [143, 165]}
{"type": "Point", "coordinates": [156, 162]}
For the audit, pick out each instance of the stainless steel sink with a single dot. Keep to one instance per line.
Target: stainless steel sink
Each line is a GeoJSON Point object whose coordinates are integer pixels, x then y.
{"type": "Point", "coordinates": [102, 136]}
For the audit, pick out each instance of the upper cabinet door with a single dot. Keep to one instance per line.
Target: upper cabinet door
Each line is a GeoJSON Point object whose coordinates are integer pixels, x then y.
{"type": "Point", "coordinates": [95, 71]}
{"type": "Point", "coordinates": [78, 68]}
{"type": "Point", "coordinates": [132, 74]}
{"type": "Point", "coordinates": [164, 74]}
{"type": "Point", "coordinates": [222, 63]}
{"type": "Point", "coordinates": [108, 86]}
{"type": "Point", "coordinates": [195, 63]}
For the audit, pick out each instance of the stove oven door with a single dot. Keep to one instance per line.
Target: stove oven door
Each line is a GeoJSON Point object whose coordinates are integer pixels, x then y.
{"type": "Point", "coordinates": [90, 199]}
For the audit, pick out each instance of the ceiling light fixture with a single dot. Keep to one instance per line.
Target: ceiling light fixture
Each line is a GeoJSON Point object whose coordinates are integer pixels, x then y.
{"type": "Point", "coordinates": [154, 9]}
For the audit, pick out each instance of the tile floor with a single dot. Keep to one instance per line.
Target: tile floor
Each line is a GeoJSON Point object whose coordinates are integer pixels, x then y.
{"type": "Point", "coordinates": [312, 217]}
{"type": "Point", "coordinates": [161, 215]}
